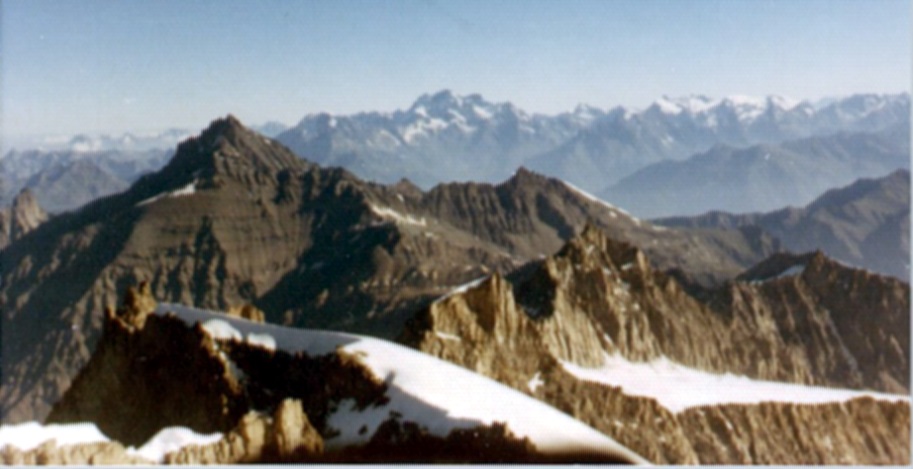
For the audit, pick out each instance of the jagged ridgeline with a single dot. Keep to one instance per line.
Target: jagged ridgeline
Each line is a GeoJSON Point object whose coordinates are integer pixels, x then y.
{"type": "Point", "coordinates": [531, 282]}
{"type": "Point", "coordinates": [236, 218]}
{"type": "Point", "coordinates": [751, 375]}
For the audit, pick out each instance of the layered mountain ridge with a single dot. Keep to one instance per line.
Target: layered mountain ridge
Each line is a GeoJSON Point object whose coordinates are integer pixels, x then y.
{"type": "Point", "coordinates": [237, 218]}
{"type": "Point", "coordinates": [531, 282]}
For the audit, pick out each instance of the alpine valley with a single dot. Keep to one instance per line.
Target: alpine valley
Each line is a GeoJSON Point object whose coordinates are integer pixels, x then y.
{"type": "Point", "coordinates": [438, 284]}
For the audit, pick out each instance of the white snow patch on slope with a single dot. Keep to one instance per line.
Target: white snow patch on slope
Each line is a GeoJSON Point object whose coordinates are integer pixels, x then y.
{"type": "Point", "coordinates": [794, 270]}
{"type": "Point", "coordinates": [397, 217]}
{"type": "Point", "coordinates": [263, 340]}
{"type": "Point", "coordinates": [593, 198]}
{"type": "Point", "coordinates": [463, 288]}
{"type": "Point", "coordinates": [678, 387]}
{"type": "Point", "coordinates": [28, 436]}
{"type": "Point", "coordinates": [436, 394]}
{"type": "Point", "coordinates": [446, 336]}
{"type": "Point", "coordinates": [222, 330]}
{"type": "Point", "coordinates": [172, 439]}
{"type": "Point", "coordinates": [186, 190]}
{"type": "Point", "coordinates": [535, 382]}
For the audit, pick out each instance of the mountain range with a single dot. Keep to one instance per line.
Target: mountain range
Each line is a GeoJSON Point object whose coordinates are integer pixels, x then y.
{"type": "Point", "coordinates": [531, 282]}
{"type": "Point", "coordinates": [237, 218]}
{"type": "Point", "coordinates": [447, 137]}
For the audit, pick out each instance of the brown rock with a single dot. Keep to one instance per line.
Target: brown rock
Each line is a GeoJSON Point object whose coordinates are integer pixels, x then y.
{"type": "Point", "coordinates": [247, 311]}
{"type": "Point", "coordinates": [287, 436]}
{"type": "Point", "coordinates": [83, 454]}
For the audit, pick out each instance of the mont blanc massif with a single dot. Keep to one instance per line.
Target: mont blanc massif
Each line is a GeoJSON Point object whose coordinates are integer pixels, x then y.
{"type": "Point", "coordinates": [703, 281]}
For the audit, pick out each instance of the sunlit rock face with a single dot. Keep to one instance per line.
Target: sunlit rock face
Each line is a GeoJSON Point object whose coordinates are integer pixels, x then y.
{"type": "Point", "coordinates": [283, 395]}
{"type": "Point", "coordinates": [599, 333]}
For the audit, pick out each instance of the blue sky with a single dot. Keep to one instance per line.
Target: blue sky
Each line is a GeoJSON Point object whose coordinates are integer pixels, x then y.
{"type": "Point", "coordinates": [111, 66]}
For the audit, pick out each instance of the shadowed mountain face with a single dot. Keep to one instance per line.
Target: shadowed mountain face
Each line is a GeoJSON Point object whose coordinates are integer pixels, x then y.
{"type": "Point", "coordinates": [237, 218]}
{"type": "Point", "coordinates": [865, 224]}
{"type": "Point", "coordinates": [796, 319]}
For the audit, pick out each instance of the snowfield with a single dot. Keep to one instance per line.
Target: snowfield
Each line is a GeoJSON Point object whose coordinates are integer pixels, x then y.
{"type": "Point", "coordinates": [437, 394]}
{"type": "Point", "coordinates": [677, 387]}
{"type": "Point", "coordinates": [30, 435]}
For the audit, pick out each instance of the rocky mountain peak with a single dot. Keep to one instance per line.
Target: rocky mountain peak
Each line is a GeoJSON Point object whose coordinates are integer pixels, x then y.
{"type": "Point", "coordinates": [230, 150]}
{"type": "Point", "coordinates": [524, 177]}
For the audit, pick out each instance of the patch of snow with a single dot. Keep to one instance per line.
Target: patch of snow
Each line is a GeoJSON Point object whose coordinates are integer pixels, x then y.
{"type": "Point", "coordinates": [463, 288]}
{"type": "Point", "coordinates": [262, 340]}
{"type": "Point", "coordinates": [535, 382]}
{"type": "Point", "coordinates": [481, 112]}
{"type": "Point", "coordinates": [422, 128]}
{"type": "Point", "coordinates": [446, 336]}
{"type": "Point", "coordinates": [30, 435]}
{"type": "Point", "coordinates": [220, 329]}
{"type": "Point", "coordinates": [678, 387]}
{"type": "Point", "coordinates": [186, 190]}
{"type": "Point", "coordinates": [792, 271]}
{"type": "Point", "coordinates": [397, 217]}
{"type": "Point", "coordinates": [438, 395]}
{"type": "Point", "coordinates": [171, 439]}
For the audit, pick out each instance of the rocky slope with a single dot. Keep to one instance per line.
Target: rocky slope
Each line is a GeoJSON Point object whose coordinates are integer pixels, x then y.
{"type": "Point", "coordinates": [236, 218]}
{"type": "Point", "coordinates": [599, 298]}
{"type": "Point", "coordinates": [156, 370]}
{"type": "Point", "coordinates": [763, 177]}
{"type": "Point", "coordinates": [866, 224]}
{"type": "Point", "coordinates": [23, 216]}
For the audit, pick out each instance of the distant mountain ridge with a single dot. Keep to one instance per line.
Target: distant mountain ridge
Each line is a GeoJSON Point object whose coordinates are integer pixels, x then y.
{"type": "Point", "coordinates": [447, 137]}
{"type": "Point", "coordinates": [865, 224]}
{"type": "Point", "coordinates": [761, 177]}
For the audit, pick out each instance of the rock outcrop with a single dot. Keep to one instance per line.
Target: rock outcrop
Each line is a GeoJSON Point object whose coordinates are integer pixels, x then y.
{"type": "Point", "coordinates": [286, 436]}
{"type": "Point", "coordinates": [799, 319]}
{"type": "Point", "coordinates": [23, 216]}
{"type": "Point", "coordinates": [153, 371]}
{"type": "Point", "coordinates": [49, 454]}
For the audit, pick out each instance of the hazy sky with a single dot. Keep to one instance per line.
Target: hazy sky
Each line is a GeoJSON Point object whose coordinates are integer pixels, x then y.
{"type": "Point", "coordinates": [90, 66]}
